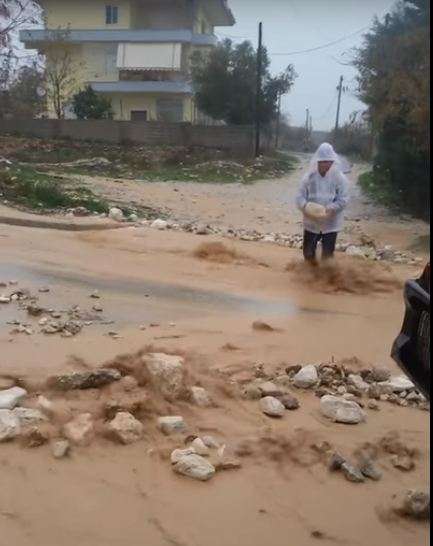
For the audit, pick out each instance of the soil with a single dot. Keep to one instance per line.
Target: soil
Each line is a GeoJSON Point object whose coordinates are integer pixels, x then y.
{"type": "Point", "coordinates": [160, 295]}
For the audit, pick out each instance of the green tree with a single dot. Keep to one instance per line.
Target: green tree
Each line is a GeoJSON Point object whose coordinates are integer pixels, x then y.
{"type": "Point", "coordinates": [225, 83]}
{"type": "Point", "coordinates": [87, 104]}
{"type": "Point", "coordinates": [393, 81]}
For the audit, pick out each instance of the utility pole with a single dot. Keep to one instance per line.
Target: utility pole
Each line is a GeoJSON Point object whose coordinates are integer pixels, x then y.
{"type": "Point", "coordinates": [277, 132]}
{"type": "Point", "coordinates": [337, 120]}
{"type": "Point", "coordinates": [258, 91]}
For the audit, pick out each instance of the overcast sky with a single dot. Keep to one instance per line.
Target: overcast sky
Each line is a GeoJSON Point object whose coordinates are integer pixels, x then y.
{"type": "Point", "coordinates": [293, 25]}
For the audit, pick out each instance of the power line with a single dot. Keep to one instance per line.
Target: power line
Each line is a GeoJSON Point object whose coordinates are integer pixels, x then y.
{"type": "Point", "coordinates": [347, 36]}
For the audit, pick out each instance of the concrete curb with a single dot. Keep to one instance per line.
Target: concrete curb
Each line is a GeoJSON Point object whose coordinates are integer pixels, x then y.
{"type": "Point", "coordinates": [45, 223]}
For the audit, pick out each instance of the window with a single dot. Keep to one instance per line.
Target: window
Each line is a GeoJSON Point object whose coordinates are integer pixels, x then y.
{"type": "Point", "coordinates": [111, 15]}
{"type": "Point", "coordinates": [170, 110]}
{"type": "Point", "coordinates": [138, 115]}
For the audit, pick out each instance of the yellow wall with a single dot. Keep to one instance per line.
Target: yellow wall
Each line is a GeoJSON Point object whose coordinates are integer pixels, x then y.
{"type": "Point", "coordinates": [122, 105]}
{"type": "Point", "coordinates": [84, 14]}
{"type": "Point", "coordinates": [166, 15]}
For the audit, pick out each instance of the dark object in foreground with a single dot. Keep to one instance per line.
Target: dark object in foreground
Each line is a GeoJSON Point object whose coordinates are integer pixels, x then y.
{"type": "Point", "coordinates": [411, 349]}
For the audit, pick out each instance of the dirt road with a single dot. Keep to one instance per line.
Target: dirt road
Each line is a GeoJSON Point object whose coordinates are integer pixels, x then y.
{"type": "Point", "coordinates": [154, 291]}
{"type": "Point", "coordinates": [267, 206]}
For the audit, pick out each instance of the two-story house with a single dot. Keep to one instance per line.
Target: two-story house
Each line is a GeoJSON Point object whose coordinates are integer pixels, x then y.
{"type": "Point", "coordinates": [136, 52]}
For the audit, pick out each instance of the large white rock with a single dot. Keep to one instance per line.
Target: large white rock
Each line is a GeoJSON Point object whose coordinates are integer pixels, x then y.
{"type": "Point", "coordinates": [306, 377]}
{"type": "Point", "coordinates": [272, 406]}
{"type": "Point", "coordinates": [125, 428]}
{"type": "Point", "coordinates": [355, 251]}
{"type": "Point", "coordinates": [177, 454]}
{"type": "Point", "coordinates": [80, 430]}
{"type": "Point", "coordinates": [200, 397]}
{"type": "Point", "coordinates": [194, 466]}
{"type": "Point", "coordinates": [10, 398]}
{"type": "Point", "coordinates": [159, 224]}
{"type": "Point", "coordinates": [397, 384]}
{"type": "Point", "coordinates": [29, 416]}
{"type": "Point", "coordinates": [340, 410]}
{"type": "Point", "coordinates": [166, 373]}
{"type": "Point", "coordinates": [200, 447]}
{"type": "Point", "coordinates": [115, 214]}
{"type": "Point", "coordinates": [9, 425]}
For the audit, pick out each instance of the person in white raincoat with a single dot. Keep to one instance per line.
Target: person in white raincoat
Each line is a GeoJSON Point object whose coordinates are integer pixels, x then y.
{"type": "Point", "coordinates": [322, 197]}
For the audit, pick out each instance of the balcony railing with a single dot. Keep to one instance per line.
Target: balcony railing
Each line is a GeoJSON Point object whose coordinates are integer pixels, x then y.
{"type": "Point", "coordinates": [40, 36]}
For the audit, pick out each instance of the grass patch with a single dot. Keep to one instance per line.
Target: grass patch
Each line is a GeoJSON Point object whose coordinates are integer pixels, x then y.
{"type": "Point", "coordinates": [28, 188]}
{"type": "Point", "coordinates": [378, 187]}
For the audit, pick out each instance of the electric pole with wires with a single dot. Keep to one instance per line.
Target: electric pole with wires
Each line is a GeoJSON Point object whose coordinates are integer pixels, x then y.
{"type": "Point", "coordinates": [337, 119]}
{"type": "Point", "coordinates": [259, 91]}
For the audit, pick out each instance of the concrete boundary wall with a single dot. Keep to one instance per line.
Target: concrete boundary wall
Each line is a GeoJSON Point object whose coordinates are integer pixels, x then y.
{"type": "Point", "coordinates": [236, 140]}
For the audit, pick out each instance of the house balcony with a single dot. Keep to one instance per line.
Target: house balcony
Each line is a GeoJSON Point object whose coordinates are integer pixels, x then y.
{"type": "Point", "coordinates": [33, 39]}
{"type": "Point", "coordinates": [157, 87]}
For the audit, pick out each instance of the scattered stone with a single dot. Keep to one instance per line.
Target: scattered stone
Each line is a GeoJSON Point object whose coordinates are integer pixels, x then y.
{"type": "Point", "coordinates": [60, 448]}
{"type": "Point", "coordinates": [202, 229]}
{"type": "Point", "coordinates": [177, 454]}
{"type": "Point", "coordinates": [6, 383]}
{"type": "Point", "coordinates": [129, 383]}
{"type": "Point", "coordinates": [355, 251]}
{"type": "Point", "coordinates": [267, 388]}
{"type": "Point", "coordinates": [373, 405]}
{"type": "Point", "coordinates": [29, 416]}
{"type": "Point", "coordinates": [413, 504]}
{"type": "Point", "coordinates": [374, 391]}
{"type": "Point", "coordinates": [403, 462]}
{"type": "Point", "coordinates": [125, 428]}
{"type": "Point", "coordinates": [10, 398]}
{"type": "Point", "coordinates": [4, 299]}
{"type": "Point", "coordinates": [272, 406]}
{"type": "Point", "coordinates": [35, 436]}
{"type": "Point", "coordinates": [34, 310]}
{"type": "Point", "coordinates": [159, 224]}
{"type": "Point", "coordinates": [369, 470]}
{"type": "Point", "coordinates": [44, 289]}
{"type": "Point", "coordinates": [261, 326]}
{"type": "Point", "coordinates": [352, 473]}
{"type": "Point", "coordinates": [399, 384]}
{"type": "Point", "coordinates": [95, 295]}
{"type": "Point", "coordinates": [379, 374]}
{"type": "Point", "coordinates": [83, 380]}
{"type": "Point", "coordinates": [293, 369]}
{"type": "Point", "coordinates": [166, 373]}
{"type": "Point", "coordinates": [133, 218]}
{"type": "Point", "coordinates": [80, 430]}
{"type": "Point", "coordinates": [252, 392]}
{"type": "Point", "coordinates": [340, 410]}
{"type": "Point", "coordinates": [98, 308]}
{"type": "Point", "coordinates": [9, 425]}
{"type": "Point", "coordinates": [358, 382]}
{"type": "Point", "coordinates": [289, 401]}
{"type": "Point", "coordinates": [306, 377]}
{"type": "Point", "coordinates": [336, 461]}
{"type": "Point", "coordinates": [171, 424]}
{"type": "Point", "coordinates": [210, 442]}
{"type": "Point", "coordinates": [199, 447]}
{"type": "Point", "coordinates": [200, 397]}
{"type": "Point", "coordinates": [116, 214]}
{"type": "Point", "coordinates": [194, 466]}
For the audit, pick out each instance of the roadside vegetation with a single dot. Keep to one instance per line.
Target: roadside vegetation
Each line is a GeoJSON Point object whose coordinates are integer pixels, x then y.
{"type": "Point", "coordinates": [162, 163]}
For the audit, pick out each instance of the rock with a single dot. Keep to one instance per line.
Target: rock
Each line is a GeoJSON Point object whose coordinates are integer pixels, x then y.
{"type": "Point", "coordinates": [36, 436]}
{"type": "Point", "coordinates": [413, 504]}
{"type": "Point", "coordinates": [283, 381]}
{"type": "Point", "coordinates": [60, 448]}
{"type": "Point", "coordinates": [267, 388]}
{"type": "Point", "coordinates": [340, 410]}
{"type": "Point", "coordinates": [399, 384]}
{"type": "Point", "coordinates": [159, 224]}
{"type": "Point", "coordinates": [10, 398]}
{"type": "Point", "coordinates": [289, 401]}
{"type": "Point", "coordinates": [252, 392]}
{"type": "Point", "coordinates": [4, 299]}
{"type": "Point", "coordinates": [358, 382]}
{"type": "Point", "coordinates": [373, 405]}
{"type": "Point", "coordinates": [369, 470]}
{"type": "Point", "coordinates": [115, 214]}
{"type": "Point", "coordinates": [374, 391]}
{"type": "Point", "coordinates": [194, 466]}
{"type": "Point", "coordinates": [80, 430]}
{"type": "Point", "coordinates": [403, 462]}
{"type": "Point", "coordinates": [336, 461]}
{"type": "Point", "coordinates": [133, 218]}
{"type": "Point", "coordinates": [306, 377]}
{"type": "Point", "coordinates": [261, 326]}
{"type": "Point", "coordinates": [199, 447]}
{"type": "Point", "coordinates": [166, 373]}
{"type": "Point", "coordinates": [272, 406]}
{"type": "Point", "coordinates": [29, 416]}
{"type": "Point", "coordinates": [355, 251]}
{"type": "Point", "coordinates": [97, 307]}
{"type": "Point", "coordinates": [171, 424]}
{"type": "Point", "coordinates": [177, 454]}
{"type": "Point", "coordinates": [210, 442]}
{"type": "Point", "coordinates": [45, 405]}
{"type": "Point", "coordinates": [9, 425]}
{"type": "Point", "coordinates": [125, 428]}
{"type": "Point", "coordinates": [352, 473]}
{"type": "Point", "coordinates": [200, 397]}
{"type": "Point", "coordinates": [129, 383]}
{"type": "Point", "coordinates": [83, 380]}
{"type": "Point", "coordinates": [379, 374]}
{"type": "Point", "coordinates": [6, 383]}
{"type": "Point", "coordinates": [202, 229]}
